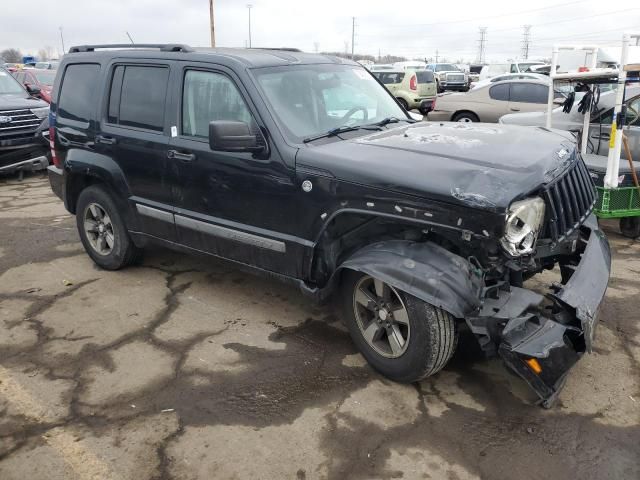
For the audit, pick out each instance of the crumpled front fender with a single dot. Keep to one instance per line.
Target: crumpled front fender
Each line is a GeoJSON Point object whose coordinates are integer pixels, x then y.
{"type": "Point", "coordinates": [424, 270]}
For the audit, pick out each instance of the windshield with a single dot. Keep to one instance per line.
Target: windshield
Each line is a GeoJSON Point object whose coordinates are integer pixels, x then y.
{"type": "Point", "coordinates": [309, 100]}
{"type": "Point", "coordinates": [526, 66]}
{"type": "Point", "coordinates": [446, 67]}
{"type": "Point", "coordinates": [45, 78]}
{"type": "Point", "coordinates": [9, 85]}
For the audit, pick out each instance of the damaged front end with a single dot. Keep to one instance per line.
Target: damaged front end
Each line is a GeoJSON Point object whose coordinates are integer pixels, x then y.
{"type": "Point", "coordinates": [540, 337]}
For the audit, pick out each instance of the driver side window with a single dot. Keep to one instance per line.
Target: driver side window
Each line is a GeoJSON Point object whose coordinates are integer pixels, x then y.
{"type": "Point", "coordinates": [633, 114]}
{"type": "Point", "coordinates": [209, 96]}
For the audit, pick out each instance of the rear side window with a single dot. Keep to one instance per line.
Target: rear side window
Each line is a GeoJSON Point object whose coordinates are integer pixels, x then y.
{"type": "Point", "coordinates": [529, 93]}
{"type": "Point", "coordinates": [389, 78]}
{"type": "Point", "coordinates": [78, 91]}
{"type": "Point", "coordinates": [500, 92]}
{"type": "Point", "coordinates": [424, 76]}
{"type": "Point", "coordinates": [209, 96]}
{"type": "Point", "coordinates": [137, 96]}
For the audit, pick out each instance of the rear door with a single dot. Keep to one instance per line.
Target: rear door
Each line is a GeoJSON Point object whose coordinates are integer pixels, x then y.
{"type": "Point", "coordinates": [392, 80]}
{"type": "Point", "coordinates": [528, 97]}
{"type": "Point", "coordinates": [133, 132]}
{"type": "Point", "coordinates": [426, 83]}
{"type": "Point", "coordinates": [497, 104]}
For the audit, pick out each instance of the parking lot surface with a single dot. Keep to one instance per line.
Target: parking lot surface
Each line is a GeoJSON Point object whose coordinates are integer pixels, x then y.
{"type": "Point", "coordinates": [187, 368]}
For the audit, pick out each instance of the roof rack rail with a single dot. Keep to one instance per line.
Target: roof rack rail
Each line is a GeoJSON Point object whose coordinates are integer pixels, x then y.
{"type": "Point", "coordinates": [163, 47]}
{"type": "Point", "coordinates": [282, 49]}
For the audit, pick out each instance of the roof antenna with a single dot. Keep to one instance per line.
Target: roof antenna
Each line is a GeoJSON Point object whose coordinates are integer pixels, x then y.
{"type": "Point", "coordinates": [132, 42]}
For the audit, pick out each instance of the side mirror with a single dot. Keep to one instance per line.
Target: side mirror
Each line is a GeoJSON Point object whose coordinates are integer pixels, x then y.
{"type": "Point", "coordinates": [232, 136]}
{"type": "Point", "coordinates": [33, 90]}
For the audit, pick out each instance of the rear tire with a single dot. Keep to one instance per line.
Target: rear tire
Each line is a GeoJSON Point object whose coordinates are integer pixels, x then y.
{"type": "Point", "coordinates": [102, 230]}
{"type": "Point", "coordinates": [630, 227]}
{"type": "Point", "coordinates": [404, 103]}
{"type": "Point", "coordinates": [465, 117]}
{"type": "Point", "coordinates": [430, 335]}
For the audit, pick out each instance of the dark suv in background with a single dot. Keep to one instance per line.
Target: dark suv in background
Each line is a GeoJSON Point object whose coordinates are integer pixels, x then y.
{"type": "Point", "coordinates": [24, 127]}
{"type": "Point", "coordinates": [303, 167]}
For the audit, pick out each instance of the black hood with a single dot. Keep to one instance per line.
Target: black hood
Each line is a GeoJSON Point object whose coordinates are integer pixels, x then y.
{"type": "Point", "coordinates": [19, 101]}
{"type": "Point", "coordinates": [481, 165]}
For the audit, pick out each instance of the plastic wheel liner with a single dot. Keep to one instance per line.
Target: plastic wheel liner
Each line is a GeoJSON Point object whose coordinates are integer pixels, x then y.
{"type": "Point", "coordinates": [540, 338]}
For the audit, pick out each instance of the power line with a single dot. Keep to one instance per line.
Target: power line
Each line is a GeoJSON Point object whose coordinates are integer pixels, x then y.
{"type": "Point", "coordinates": [526, 40]}
{"type": "Point", "coordinates": [353, 36]}
{"type": "Point", "coordinates": [482, 41]}
{"type": "Point", "coordinates": [558, 5]}
{"type": "Point", "coordinates": [563, 20]}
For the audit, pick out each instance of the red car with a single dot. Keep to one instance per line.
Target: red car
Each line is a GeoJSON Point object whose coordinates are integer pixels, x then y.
{"type": "Point", "coordinates": [43, 79]}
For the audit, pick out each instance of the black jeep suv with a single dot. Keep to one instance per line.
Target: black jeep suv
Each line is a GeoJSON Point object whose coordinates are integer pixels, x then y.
{"type": "Point", "coordinates": [305, 168]}
{"type": "Point", "coordinates": [23, 122]}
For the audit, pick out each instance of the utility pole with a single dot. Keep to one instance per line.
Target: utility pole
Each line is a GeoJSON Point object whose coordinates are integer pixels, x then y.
{"type": "Point", "coordinates": [249, 7]}
{"type": "Point", "coordinates": [379, 56]}
{"type": "Point", "coordinates": [353, 36]}
{"type": "Point", "coordinates": [437, 56]}
{"type": "Point", "coordinates": [62, 40]}
{"type": "Point", "coordinates": [130, 39]}
{"type": "Point", "coordinates": [526, 41]}
{"type": "Point", "coordinates": [212, 24]}
{"type": "Point", "coordinates": [316, 47]}
{"type": "Point", "coordinates": [482, 45]}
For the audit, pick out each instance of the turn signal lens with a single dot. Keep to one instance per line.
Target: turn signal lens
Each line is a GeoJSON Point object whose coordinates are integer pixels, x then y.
{"type": "Point", "coordinates": [534, 366]}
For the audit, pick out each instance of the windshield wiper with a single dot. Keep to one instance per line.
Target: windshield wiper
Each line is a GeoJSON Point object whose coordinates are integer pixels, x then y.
{"type": "Point", "coordinates": [388, 120]}
{"type": "Point", "coordinates": [338, 130]}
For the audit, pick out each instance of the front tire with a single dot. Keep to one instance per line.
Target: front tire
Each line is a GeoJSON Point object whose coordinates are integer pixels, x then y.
{"type": "Point", "coordinates": [102, 230]}
{"type": "Point", "coordinates": [402, 337]}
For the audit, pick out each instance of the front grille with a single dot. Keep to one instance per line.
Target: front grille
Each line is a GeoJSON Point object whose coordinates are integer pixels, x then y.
{"type": "Point", "coordinates": [455, 77]}
{"type": "Point", "coordinates": [569, 200]}
{"type": "Point", "coordinates": [23, 124]}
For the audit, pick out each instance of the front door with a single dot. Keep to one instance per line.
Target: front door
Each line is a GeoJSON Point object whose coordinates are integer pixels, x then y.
{"type": "Point", "coordinates": [239, 206]}
{"type": "Point", "coordinates": [133, 132]}
{"type": "Point", "coordinates": [600, 131]}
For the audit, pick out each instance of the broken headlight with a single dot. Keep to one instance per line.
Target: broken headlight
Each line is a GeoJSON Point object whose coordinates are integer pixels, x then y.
{"type": "Point", "coordinates": [524, 221]}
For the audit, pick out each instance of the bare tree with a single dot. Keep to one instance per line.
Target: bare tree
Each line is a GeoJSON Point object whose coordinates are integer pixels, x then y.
{"type": "Point", "coordinates": [43, 55]}
{"type": "Point", "coordinates": [11, 55]}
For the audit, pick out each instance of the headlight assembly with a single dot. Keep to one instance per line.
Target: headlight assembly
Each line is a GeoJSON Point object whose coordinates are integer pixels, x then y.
{"type": "Point", "coordinates": [40, 112]}
{"type": "Point", "coordinates": [524, 221]}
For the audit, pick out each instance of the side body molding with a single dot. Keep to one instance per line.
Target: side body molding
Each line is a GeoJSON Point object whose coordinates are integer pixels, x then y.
{"type": "Point", "coordinates": [424, 270]}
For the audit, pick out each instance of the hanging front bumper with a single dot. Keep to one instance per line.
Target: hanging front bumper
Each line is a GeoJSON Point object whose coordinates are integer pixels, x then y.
{"type": "Point", "coordinates": [541, 343]}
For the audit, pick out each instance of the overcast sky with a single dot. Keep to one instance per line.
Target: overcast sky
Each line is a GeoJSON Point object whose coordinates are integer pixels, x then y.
{"type": "Point", "coordinates": [413, 28]}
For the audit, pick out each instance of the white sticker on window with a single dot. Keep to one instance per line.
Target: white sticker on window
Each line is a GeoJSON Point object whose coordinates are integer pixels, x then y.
{"type": "Point", "coordinates": [174, 131]}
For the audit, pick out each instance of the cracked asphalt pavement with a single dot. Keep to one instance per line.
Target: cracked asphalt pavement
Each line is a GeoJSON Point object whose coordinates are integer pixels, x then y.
{"type": "Point", "coordinates": [186, 368]}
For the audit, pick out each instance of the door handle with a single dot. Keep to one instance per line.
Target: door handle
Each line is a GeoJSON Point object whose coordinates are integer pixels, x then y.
{"type": "Point", "coordinates": [105, 140]}
{"type": "Point", "coordinates": [514, 109]}
{"type": "Point", "coordinates": [182, 157]}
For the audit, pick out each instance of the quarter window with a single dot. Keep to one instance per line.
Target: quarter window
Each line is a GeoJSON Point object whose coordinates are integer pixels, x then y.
{"type": "Point", "coordinates": [392, 78]}
{"type": "Point", "coordinates": [78, 92]}
{"type": "Point", "coordinates": [500, 92]}
{"type": "Point", "coordinates": [137, 97]}
{"type": "Point", "coordinates": [209, 96]}
{"type": "Point", "coordinates": [529, 93]}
